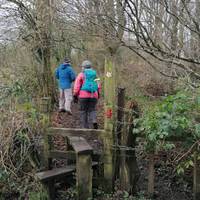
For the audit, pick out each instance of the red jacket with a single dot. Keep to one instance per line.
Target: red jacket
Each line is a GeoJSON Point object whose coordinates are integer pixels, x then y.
{"type": "Point", "coordinates": [81, 93]}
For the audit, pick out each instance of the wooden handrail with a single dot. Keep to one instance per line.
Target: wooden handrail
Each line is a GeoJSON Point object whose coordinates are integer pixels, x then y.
{"type": "Point", "coordinates": [65, 132]}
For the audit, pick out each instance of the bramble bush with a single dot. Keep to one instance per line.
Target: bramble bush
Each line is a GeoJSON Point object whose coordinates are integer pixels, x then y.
{"type": "Point", "coordinates": [176, 117]}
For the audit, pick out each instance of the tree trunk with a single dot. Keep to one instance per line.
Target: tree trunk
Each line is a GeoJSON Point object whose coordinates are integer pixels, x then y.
{"type": "Point", "coordinates": [44, 22]}
{"type": "Point", "coordinates": [174, 34]}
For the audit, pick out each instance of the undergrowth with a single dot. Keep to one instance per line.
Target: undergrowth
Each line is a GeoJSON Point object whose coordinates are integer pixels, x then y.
{"type": "Point", "coordinates": [171, 119]}
{"type": "Point", "coordinates": [100, 194]}
{"type": "Point", "coordinates": [21, 126]}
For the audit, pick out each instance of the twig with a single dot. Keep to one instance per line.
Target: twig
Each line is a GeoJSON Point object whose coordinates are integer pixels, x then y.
{"type": "Point", "coordinates": [186, 154]}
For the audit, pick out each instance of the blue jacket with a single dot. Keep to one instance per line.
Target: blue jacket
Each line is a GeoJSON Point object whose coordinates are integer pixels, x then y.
{"type": "Point", "coordinates": [65, 75]}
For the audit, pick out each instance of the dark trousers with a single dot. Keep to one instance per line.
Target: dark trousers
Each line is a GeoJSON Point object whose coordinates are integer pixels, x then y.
{"type": "Point", "coordinates": [88, 114]}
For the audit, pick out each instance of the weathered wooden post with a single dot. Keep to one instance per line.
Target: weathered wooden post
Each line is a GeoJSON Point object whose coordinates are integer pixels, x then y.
{"type": "Point", "coordinates": [120, 113]}
{"type": "Point", "coordinates": [45, 107]}
{"type": "Point", "coordinates": [84, 176]}
{"type": "Point", "coordinates": [151, 175]}
{"type": "Point", "coordinates": [45, 110]}
{"type": "Point", "coordinates": [109, 105]}
{"type": "Point", "coordinates": [128, 168]}
{"type": "Point", "coordinates": [83, 167]}
{"type": "Point", "coordinates": [120, 124]}
{"type": "Point", "coordinates": [122, 133]}
{"type": "Point", "coordinates": [196, 177]}
{"type": "Point", "coordinates": [47, 144]}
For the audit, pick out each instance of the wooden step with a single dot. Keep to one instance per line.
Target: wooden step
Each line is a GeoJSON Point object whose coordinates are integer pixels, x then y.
{"type": "Point", "coordinates": [66, 132]}
{"type": "Point", "coordinates": [58, 172]}
{"type": "Point", "coordinates": [80, 145]}
{"type": "Point", "coordinates": [71, 155]}
{"type": "Point", "coordinates": [62, 154]}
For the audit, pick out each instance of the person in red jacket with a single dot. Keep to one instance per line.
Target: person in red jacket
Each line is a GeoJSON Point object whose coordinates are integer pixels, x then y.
{"type": "Point", "coordinates": [86, 91]}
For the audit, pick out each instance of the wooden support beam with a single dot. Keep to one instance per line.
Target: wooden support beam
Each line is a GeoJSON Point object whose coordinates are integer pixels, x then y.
{"type": "Point", "coordinates": [57, 173]}
{"type": "Point", "coordinates": [120, 112]}
{"type": "Point", "coordinates": [51, 148]}
{"type": "Point", "coordinates": [84, 176]}
{"type": "Point", "coordinates": [50, 186]}
{"type": "Point", "coordinates": [151, 175]}
{"type": "Point", "coordinates": [45, 105]}
{"type": "Point", "coordinates": [46, 141]}
{"type": "Point", "coordinates": [128, 167]}
{"type": "Point", "coordinates": [50, 175]}
{"type": "Point", "coordinates": [67, 132]}
{"type": "Point", "coordinates": [109, 105]}
{"type": "Point", "coordinates": [196, 177]}
{"type": "Point", "coordinates": [123, 172]}
{"type": "Point", "coordinates": [109, 96]}
{"type": "Point", "coordinates": [71, 155]}
{"type": "Point", "coordinates": [46, 161]}
{"type": "Point", "coordinates": [120, 125]}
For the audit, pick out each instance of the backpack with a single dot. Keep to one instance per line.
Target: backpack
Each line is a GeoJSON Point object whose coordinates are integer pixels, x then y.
{"type": "Point", "coordinates": [90, 84]}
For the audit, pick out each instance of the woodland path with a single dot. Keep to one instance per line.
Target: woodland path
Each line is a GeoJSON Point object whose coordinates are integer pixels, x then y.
{"type": "Point", "coordinates": [63, 120]}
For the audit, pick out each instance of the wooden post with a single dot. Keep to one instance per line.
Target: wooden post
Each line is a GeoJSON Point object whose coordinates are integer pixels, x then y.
{"type": "Point", "coordinates": [109, 104]}
{"type": "Point", "coordinates": [123, 171]}
{"type": "Point", "coordinates": [120, 112]}
{"type": "Point", "coordinates": [120, 119]}
{"type": "Point", "coordinates": [45, 106]}
{"type": "Point", "coordinates": [128, 167]}
{"type": "Point", "coordinates": [47, 145]}
{"type": "Point", "coordinates": [151, 175]}
{"type": "Point", "coordinates": [196, 177]}
{"type": "Point", "coordinates": [44, 109]}
{"type": "Point", "coordinates": [50, 146]}
{"type": "Point", "coordinates": [84, 176]}
{"type": "Point", "coordinates": [109, 96]}
{"type": "Point", "coordinates": [83, 167]}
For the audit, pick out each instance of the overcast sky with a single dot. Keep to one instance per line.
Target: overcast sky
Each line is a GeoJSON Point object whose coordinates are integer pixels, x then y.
{"type": "Point", "coordinates": [8, 21]}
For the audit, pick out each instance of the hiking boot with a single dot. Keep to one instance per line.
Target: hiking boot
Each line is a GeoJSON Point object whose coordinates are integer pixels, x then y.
{"type": "Point", "coordinates": [95, 125]}
{"type": "Point", "coordinates": [68, 112]}
{"type": "Point", "coordinates": [61, 110]}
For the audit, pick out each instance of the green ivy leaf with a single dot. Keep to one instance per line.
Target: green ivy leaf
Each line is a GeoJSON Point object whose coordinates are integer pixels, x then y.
{"type": "Point", "coordinates": [180, 170]}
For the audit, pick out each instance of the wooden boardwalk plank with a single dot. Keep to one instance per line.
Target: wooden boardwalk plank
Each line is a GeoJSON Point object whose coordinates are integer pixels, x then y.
{"type": "Point", "coordinates": [80, 145]}
{"type": "Point", "coordinates": [71, 155]}
{"type": "Point", "coordinates": [65, 132]}
{"type": "Point", "coordinates": [62, 154]}
{"type": "Point", "coordinates": [56, 173]}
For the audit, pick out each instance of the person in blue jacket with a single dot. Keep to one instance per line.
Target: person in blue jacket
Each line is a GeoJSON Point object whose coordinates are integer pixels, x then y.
{"type": "Point", "coordinates": [65, 75]}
